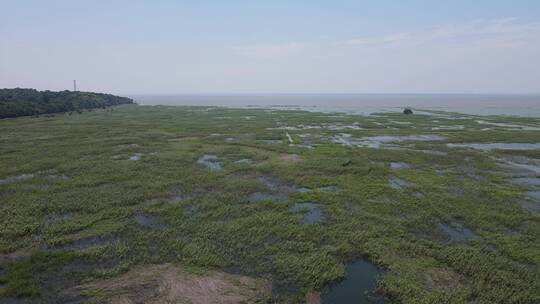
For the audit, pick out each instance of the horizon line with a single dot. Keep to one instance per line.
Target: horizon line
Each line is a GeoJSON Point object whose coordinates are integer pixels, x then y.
{"type": "Point", "coordinates": [322, 94]}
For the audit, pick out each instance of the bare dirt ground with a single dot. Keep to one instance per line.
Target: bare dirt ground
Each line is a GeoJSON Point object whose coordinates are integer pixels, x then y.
{"type": "Point", "coordinates": [313, 298]}
{"type": "Point", "coordinates": [290, 157]}
{"type": "Point", "coordinates": [168, 283]}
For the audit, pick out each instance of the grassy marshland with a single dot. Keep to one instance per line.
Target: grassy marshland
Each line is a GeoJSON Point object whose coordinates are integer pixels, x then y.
{"type": "Point", "coordinates": [87, 198]}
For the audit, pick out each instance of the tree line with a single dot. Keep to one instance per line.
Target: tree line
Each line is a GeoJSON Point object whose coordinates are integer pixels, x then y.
{"type": "Point", "coordinates": [26, 102]}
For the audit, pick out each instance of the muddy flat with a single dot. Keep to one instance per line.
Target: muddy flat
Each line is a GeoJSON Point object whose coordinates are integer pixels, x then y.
{"type": "Point", "coordinates": [171, 284]}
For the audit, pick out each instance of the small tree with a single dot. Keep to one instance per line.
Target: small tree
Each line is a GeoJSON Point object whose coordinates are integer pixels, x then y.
{"type": "Point", "coordinates": [407, 111]}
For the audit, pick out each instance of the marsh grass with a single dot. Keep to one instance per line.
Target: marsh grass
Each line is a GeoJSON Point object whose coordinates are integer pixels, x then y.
{"type": "Point", "coordinates": [214, 226]}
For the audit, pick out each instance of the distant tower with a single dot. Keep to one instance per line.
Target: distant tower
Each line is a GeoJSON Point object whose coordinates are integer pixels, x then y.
{"type": "Point", "coordinates": [74, 85]}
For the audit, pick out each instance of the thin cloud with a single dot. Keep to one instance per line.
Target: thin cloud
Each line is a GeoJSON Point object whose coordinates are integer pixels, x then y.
{"type": "Point", "coordinates": [387, 40]}
{"type": "Point", "coordinates": [271, 50]}
{"type": "Point", "coordinates": [497, 33]}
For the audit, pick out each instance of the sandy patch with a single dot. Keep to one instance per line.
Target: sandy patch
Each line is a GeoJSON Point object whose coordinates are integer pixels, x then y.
{"type": "Point", "coordinates": [290, 157]}
{"type": "Point", "coordinates": [168, 283]}
{"type": "Point", "coordinates": [313, 298]}
{"type": "Point", "coordinates": [442, 279]}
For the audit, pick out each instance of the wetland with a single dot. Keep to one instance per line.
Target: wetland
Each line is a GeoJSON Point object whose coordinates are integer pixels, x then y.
{"type": "Point", "coordinates": [186, 204]}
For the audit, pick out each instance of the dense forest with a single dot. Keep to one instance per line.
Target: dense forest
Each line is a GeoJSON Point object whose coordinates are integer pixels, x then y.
{"type": "Point", "coordinates": [25, 102]}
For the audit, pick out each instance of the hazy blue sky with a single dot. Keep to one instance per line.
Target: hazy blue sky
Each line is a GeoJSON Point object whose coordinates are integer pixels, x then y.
{"type": "Point", "coordinates": [272, 46]}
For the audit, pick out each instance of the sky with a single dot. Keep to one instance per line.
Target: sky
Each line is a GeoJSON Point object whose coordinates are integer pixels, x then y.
{"type": "Point", "coordinates": [278, 46]}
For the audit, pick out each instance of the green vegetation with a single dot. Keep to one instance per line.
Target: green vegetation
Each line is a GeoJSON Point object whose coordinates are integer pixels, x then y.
{"type": "Point", "coordinates": [87, 198]}
{"type": "Point", "coordinates": [27, 102]}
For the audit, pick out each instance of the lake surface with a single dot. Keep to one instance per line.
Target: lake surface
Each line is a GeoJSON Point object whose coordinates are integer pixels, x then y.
{"type": "Point", "coordinates": [518, 105]}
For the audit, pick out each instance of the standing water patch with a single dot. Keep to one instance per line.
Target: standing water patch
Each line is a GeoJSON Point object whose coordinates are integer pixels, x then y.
{"type": "Point", "coordinates": [498, 146]}
{"type": "Point", "coordinates": [312, 211]}
{"type": "Point", "coordinates": [377, 142]}
{"type": "Point", "coordinates": [524, 166]}
{"type": "Point", "coordinates": [57, 218]}
{"type": "Point", "coordinates": [303, 190]}
{"type": "Point", "coordinates": [398, 165]}
{"type": "Point", "coordinates": [244, 161]}
{"type": "Point", "coordinates": [12, 179]}
{"type": "Point", "coordinates": [531, 206]}
{"type": "Point", "coordinates": [260, 197]}
{"type": "Point", "coordinates": [535, 195]}
{"type": "Point", "coordinates": [178, 196]}
{"type": "Point", "coordinates": [526, 181]}
{"type": "Point", "coordinates": [273, 141]}
{"type": "Point", "coordinates": [358, 287]}
{"type": "Point", "coordinates": [211, 162]}
{"type": "Point", "coordinates": [276, 190]}
{"type": "Point", "coordinates": [457, 232]}
{"type": "Point", "coordinates": [397, 183]}
{"type": "Point", "coordinates": [152, 222]}
{"type": "Point", "coordinates": [329, 189]}
{"type": "Point", "coordinates": [136, 156]}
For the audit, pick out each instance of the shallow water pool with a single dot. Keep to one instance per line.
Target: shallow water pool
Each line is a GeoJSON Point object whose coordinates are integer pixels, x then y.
{"type": "Point", "coordinates": [358, 287]}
